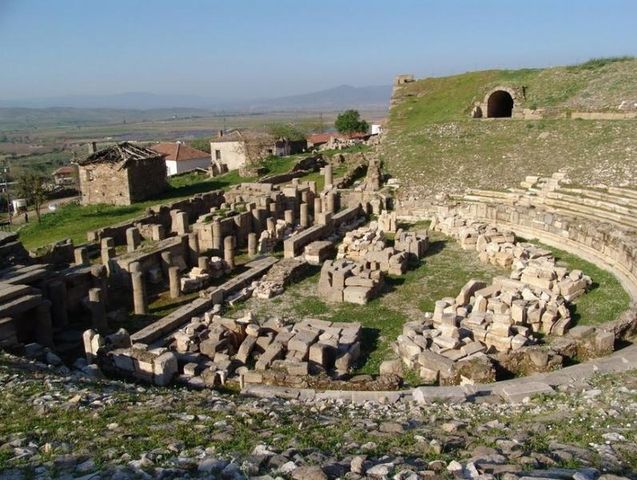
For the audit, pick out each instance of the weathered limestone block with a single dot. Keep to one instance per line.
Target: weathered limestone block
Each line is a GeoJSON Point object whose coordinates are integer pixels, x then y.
{"type": "Point", "coordinates": [469, 290]}
{"type": "Point", "coordinates": [165, 367]}
{"type": "Point", "coordinates": [274, 351]}
{"type": "Point", "coordinates": [246, 348]}
{"type": "Point", "coordinates": [391, 367]}
{"type": "Point", "coordinates": [322, 354]}
{"type": "Point", "coordinates": [318, 252]}
{"type": "Point", "coordinates": [122, 360]}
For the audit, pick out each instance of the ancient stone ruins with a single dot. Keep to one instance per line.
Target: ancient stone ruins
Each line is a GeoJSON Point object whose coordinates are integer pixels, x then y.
{"type": "Point", "coordinates": [212, 252]}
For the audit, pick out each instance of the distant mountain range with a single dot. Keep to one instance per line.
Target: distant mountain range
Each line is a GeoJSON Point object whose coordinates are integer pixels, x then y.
{"type": "Point", "coordinates": [344, 96]}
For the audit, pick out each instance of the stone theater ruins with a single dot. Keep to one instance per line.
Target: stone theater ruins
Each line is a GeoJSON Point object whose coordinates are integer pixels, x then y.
{"type": "Point", "coordinates": [339, 284]}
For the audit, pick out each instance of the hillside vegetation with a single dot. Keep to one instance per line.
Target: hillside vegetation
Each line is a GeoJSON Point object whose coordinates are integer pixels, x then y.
{"type": "Point", "coordinates": [432, 142]}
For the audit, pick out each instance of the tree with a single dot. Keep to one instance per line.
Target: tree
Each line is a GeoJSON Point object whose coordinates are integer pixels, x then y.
{"type": "Point", "coordinates": [201, 143]}
{"type": "Point", "coordinates": [31, 188]}
{"type": "Point", "coordinates": [287, 130]}
{"type": "Point", "coordinates": [350, 122]}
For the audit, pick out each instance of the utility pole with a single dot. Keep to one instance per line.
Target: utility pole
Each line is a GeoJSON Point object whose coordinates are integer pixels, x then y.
{"type": "Point", "coordinates": [5, 174]}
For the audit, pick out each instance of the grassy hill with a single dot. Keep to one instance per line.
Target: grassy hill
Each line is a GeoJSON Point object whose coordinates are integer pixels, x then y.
{"type": "Point", "coordinates": [433, 144]}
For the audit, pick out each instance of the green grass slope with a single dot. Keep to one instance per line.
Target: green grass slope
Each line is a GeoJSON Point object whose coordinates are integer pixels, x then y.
{"type": "Point", "coordinates": [432, 143]}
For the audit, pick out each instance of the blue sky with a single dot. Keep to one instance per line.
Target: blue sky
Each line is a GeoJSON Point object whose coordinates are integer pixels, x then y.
{"type": "Point", "coordinates": [269, 48]}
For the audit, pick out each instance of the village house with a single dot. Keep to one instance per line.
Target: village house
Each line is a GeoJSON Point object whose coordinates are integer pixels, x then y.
{"type": "Point", "coordinates": [66, 176]}
{"type": "Point", "coordinates": [121, 174]}
{"type": "Point", "coordinates": [236, 149]}
{"type": "Point", "coordinates": [181, 158]}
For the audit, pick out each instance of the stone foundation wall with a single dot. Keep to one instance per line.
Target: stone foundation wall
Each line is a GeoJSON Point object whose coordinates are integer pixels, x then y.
{"type": "Point", "coordinates": [193, 207]}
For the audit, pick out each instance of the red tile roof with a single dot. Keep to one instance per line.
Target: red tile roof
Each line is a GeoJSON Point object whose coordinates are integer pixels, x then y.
{"type": "Point", "coordinates": [319, 138]}
{"type": "Point", "coordinates": [178, 151]}
{"type": "Point", "coordinates": [65, 170]}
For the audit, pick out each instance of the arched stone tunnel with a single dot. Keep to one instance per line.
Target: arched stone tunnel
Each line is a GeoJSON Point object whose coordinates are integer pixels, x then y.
{"type": "Point", "coordinates": [500, 104]}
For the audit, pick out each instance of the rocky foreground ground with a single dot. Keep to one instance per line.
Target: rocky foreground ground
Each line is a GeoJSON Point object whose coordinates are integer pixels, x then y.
{"type": "Point", "coordinates": [55, 423]}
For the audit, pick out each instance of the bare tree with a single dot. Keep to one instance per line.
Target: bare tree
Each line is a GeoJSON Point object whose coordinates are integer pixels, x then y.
{"type": "Point", "coordinates": [31, 188]}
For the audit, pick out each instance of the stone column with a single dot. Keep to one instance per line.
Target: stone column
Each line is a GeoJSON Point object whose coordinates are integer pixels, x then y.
{"type": "Point", "coordinates": [166, 262]}
{"type": "Point", "coordinates": [228, 250]}
{"type": "Point", "coordinates": [107, 250]}
{"type": "Point", "coordinates": [318, 207]}
{"type": "Point", "coordinates": [81, 256]}
{"type": "Point", "coordinates": [57, 294]}
{"type": "Point", "coordinates": [133, 239]}
{"type": "Point", "coordinates": [252, 244]}
{"type": "Point", "coordinates": [329, 180]}
{"type": "Point", "coordinates": [181, 223]}
{"type": "Point", "coordinates": [98, 310]}
{"type": "Point", "coordinates": [331, 202]}
{"type": "Point", "coordinates": [99, 274]}
{"type": "Point", "coordinates": [288, 216]}
{"type": "Point", "coordinates": [241, 228]}
{"type": "Point", "coordinates": [139, 289]}
{"type": "Point", "coordinates": [274, 211]}
{"type": "Point", "coordinates": [256, 220]}
{"type": "Point", "coordinates": [87, 340]}
{"type": "Point", "coordinates": [303, 213]}
{"type": "Point", "coordinates": [175, 282]}
{"type": "Point", "coordinates": [216, 235]}
{"type": "Point", "coordinates": [193, 249]}
{"type": "Point", "coordinates": [43, 324]}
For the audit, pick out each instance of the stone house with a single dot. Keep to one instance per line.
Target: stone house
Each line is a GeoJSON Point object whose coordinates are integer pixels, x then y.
{"type": "Point", "coordinates": [181, 158]}
{"type": "Point", "coordinates": [237, 149]}
{"type": "Point", "coordinates": [122, 174]}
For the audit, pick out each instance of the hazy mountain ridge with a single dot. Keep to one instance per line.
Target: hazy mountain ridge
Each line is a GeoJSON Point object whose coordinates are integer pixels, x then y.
{"type": "Point", "coordinates": [339, 97]}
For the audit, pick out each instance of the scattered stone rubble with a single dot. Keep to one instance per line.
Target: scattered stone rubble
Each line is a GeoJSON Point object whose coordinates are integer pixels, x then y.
{"type": "Point", "coordinates": [275, 233]}
{"type": "Point", "coordinates": [199, 277]}
{"type": "Point", "coordinates": [488, 319]}
{"type": "Point", "coordinates": [211, 349]}
{"type": "Point", "coordinates": [346, 281]}
{"type": "Point", "coordinates": [284, 272]}
{"type": "Point", "coordinates": [356, 276]}
{"type": "Point", "coordinates": [414, 244]}
{"type": "Point", "coordinates": [524, 440]}
{"type": "Point", "coordinates": [368, 247]}
{"type": "Point", "coordinates": [387, 221]}
{"type": "Point", "coordinates": [531, 265]}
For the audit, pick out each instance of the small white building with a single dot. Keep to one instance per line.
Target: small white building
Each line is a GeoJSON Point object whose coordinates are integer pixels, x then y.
{"type": "Point", "coordinates": [182, 158]}
{"type": "Point", "coordinates": [376, 129]}
{"type": "Point", "coordinates": [238, 148]}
